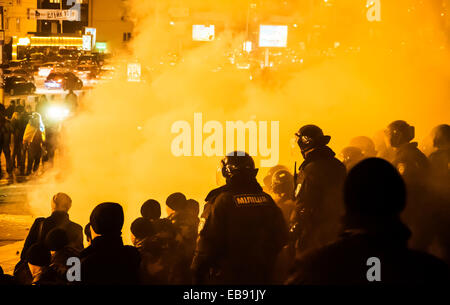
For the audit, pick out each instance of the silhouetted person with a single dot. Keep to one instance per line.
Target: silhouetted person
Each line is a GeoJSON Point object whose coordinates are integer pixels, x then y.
{"type": "Point", "coordinates": [365, 144]}
{"type": "Point", "coordinates": [350, 156]}
{"type": "Point", "coordinates": [6, 131]}
{"type": "Point", "coordinates": [11, 109]}
{"type": "Point", "coordinates": [57, 241]}
{"type": "Point", "coordinates": [414, 167]}
{"type": "Point", "coordinates": [151, 210]}
{"type": "Point", "coordinates": [71, 101]}
{"type": "Point", "coordinates": [440, 158]}
{"type": "Point", "coordinates": [107, 261]}
{"type": "Point", "coordinates": [440, 186]}
{"type": "Point", "coordinates": [244, 231]}
{"type": "Point", "coordinates": [374, 195]}
{"type": "Point", "coordinates": [186, 226]}
{"type": "Point", "coordinates": [194, 208]}
{"type": "Point", "coordinates": [19, 122]}
{"type": "Point", "coordinates": [39, 258]}
{"type": "Point", "coordinates": [319, 185]}
{"type": "Point", "coordinates": [283, 189]}
{"type": "Point", "coordinates": [33, 141]}
{"type": "Point", "coordinates": [267, 180]}
{"type": "Point", "coordinates": [140, 229]}
{"type": "Point", "coordinates": [61, 204]}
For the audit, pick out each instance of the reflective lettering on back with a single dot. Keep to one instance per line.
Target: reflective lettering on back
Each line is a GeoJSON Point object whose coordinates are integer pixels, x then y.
{"type": "Point", "coordinates": [246, 200]}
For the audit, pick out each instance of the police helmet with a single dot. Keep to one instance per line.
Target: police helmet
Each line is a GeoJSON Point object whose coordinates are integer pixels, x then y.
{"type": "Point", "coordinates": [237, 162]}
{"type": "Point", "coordinates": [365, 144]}
{"type": "Point", "coordinates": [399, 133]}
{"type": "Point", "coordinates": [441, 136]}
{"type": "Point", "coordinates": [311, 136]}
{"type": "Point", "coordinates": [282, 182]}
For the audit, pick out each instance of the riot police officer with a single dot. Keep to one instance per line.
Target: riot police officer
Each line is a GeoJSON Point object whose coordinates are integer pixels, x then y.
{"type": "Point", "coordinates": [318, 192]}
{"type": "Point", "coordinates": [350, 156]}
{"type": "Point", "coordinates": [408, 159]}
{"type": "Point", "coordinates": [413, 165]}
{"type": "Point", "coordinates": [283, 188]}
{"type": "Point", "coordinates": [440, 159]}
{"type": "Point", "coordinates": [243, 232]}
{"type": "Point", "coordinates": [365, 144]}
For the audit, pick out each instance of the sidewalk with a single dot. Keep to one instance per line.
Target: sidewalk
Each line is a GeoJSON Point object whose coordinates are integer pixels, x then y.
{"type": "Point", "coordinates": [10, 256]}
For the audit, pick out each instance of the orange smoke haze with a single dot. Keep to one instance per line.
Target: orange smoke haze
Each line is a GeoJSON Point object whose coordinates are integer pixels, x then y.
{"type": "Point", "coordinates": [110, 159]}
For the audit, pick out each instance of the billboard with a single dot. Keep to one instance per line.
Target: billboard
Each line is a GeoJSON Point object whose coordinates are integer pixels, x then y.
{"type": "Point", "coordinates": [93, 33]}
{"type": "Point", "coordinates": [134, 72]}
{"type": "Point", "coordinates": [202, 32]}
{"type": "Point", "coordinates": [273, 36]}
{"type": "Point", "coordinates": [69, 15]}
{"type": "Point", "coordinates": [87, 43]}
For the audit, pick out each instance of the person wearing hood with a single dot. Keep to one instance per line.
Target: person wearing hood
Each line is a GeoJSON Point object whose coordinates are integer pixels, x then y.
{"type": "Point", "coordinates": [373, 245]}
{"type": "Point", "coordinates": [33, 141]}
{"type": "Point", "coordinates": [186, 226]}
{"type": "Point", "coordinates": [244, 233]}
{"type": "Point", "coordinates": [107, 261]}
{"type": "Point", "coordinates": [141, 228]}
{"type": "Point", "coordinates": [317, 194]}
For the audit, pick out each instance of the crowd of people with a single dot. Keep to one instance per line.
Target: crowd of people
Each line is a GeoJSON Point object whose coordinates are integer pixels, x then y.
{"type": "Point", "coordinates": [30, 138]}
{"type": "Point", "coordinates": [319, 226]}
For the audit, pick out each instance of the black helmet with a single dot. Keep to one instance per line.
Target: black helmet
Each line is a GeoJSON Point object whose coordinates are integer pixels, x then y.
{"type": "Point", "coordinates": [268, 178]}
{"type": "Point", "coordinates": [237, 162]}
{"type": "Point", "coordinates": [311, 136]}
{"type": "Point", "coordinates": [441, 136]}
{"type": "Point", "coordinates": [399, 133]}
{"type": "Point", "coordinates": [351, 155]}
{"type": "Point", "coordinates": [282, 182]}
{"type": "Point", "coordinates": [365, 144]}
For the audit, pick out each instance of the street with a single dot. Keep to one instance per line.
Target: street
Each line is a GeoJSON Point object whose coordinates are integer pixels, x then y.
{"type": "Point", "coordinates": [15, 222]}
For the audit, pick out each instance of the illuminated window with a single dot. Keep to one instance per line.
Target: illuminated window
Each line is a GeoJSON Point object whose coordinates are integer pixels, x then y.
{"type": "Point", "coordinates": [18, 24]}
{"type": "Point", "coordinates": [126, 36]}
{"type": "Point", "coordinates": [55, 1]}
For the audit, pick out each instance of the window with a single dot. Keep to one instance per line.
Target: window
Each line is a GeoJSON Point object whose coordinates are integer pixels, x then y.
{"type": "Point", "coordinates": [55, 1]}
{"type": "Point", "coordinates": [126, 36]}
{"type": "Point", "coordinates": [18, 24]}
{"type": "Point", "coordinates": [7, 24]}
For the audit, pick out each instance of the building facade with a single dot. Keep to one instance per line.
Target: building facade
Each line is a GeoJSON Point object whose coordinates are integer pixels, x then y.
{"type": "Point", "coordinates": [113, 25]}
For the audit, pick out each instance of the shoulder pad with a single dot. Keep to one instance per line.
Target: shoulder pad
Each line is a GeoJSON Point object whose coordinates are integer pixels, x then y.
{"type": "Point", "coordinates": [215, 192]}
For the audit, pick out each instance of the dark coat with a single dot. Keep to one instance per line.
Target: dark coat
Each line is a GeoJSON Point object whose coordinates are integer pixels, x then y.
{"type": "Point", "coordinates": [344, 262]}
{"type": "Point", "coordinates": [414, 167]}
{"type": "Point", "coordinates": [412, 164]}
{"type": "Point", "coordinates": [319, 197]}
{"type": "Point", "coordinates": [108, 262]}
{"type": "Point", "coordinates": [241, 237]}
{"type": "Point", "coordinates": [58, 219]}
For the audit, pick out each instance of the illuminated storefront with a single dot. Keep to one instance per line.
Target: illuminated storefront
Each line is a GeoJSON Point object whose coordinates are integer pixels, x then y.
{"type": "Point", "coordinates": [21, 43]}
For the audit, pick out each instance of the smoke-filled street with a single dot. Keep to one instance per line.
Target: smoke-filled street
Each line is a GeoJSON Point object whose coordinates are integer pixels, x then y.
{"type": "Point", "coordinates": [210, 146]}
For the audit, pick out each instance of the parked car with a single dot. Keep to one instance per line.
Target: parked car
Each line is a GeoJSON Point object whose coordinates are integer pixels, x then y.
{"type": "Point", "coordinates": [15, 85]}
{"type": "Point", "coordinates": [64, 81]}
{"type": "Point", "coordinates": [19, 72]}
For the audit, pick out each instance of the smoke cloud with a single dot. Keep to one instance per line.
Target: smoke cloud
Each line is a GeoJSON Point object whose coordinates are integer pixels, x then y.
{"type": "Point", "coordinates": [119, 149]}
